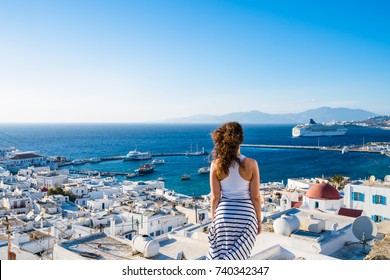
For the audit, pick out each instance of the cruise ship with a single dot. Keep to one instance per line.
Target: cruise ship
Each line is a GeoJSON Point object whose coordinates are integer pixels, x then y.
{"type": "Point", "coordinates": [314, 129]}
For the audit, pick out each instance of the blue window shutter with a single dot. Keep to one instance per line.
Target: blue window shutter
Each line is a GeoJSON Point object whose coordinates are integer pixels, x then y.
{"type": "Point", "coordinates": [373, 199]}
{"type": "Point", "coordinates": [373, 217]}
{"type": "Point", "coordinates": [384, 200]}
{"type": "Point", "coordinates": [362, 197]}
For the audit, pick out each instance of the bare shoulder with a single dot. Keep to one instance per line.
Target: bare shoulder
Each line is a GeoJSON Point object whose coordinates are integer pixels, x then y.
{"type": "Point", "coordinates": [250, 163]}
{"type": "Point", "coordinates": [213, 166]}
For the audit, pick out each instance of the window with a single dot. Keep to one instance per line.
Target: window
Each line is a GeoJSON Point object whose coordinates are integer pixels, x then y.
{"type": "Point", "coordinates": [158, 233]}
{"type": "Point", "coordinates": [316, 204]}
{"type": "Point", "coordinates": [169, 229]}
{"type": "Point", "coordinates": [379, 199]}
{"type": "Point", "coordinates": [152, 234]}
{"type": "Point", "coordinates": [357, 196]}
{"type": "Point", "coordinates": [378, 218]}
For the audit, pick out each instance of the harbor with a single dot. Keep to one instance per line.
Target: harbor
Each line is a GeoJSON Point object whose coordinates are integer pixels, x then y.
{"type": "Point", "coordinates": [374, 148]}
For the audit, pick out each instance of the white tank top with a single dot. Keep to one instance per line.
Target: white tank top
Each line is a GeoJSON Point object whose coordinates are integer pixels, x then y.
{"type": "Point", "coordinates": [234, 186]}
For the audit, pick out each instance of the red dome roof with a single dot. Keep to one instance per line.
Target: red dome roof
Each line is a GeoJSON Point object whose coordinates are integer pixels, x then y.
{"type": "Point", "coordinates": [323, 191]}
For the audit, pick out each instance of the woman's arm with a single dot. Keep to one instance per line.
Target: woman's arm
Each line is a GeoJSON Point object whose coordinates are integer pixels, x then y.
{"type": "Point", "coordinates": [215, 187]}
{"type": "Point", "coordinates": [254, 189]}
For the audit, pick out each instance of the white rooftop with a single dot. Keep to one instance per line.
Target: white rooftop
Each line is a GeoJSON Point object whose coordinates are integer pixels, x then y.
{"type": "Point", "coordinates": [20, 254]}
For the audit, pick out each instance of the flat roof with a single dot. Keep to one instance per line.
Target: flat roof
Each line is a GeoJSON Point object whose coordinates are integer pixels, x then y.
{"type": "Point", "coordinates": [192, 248]}
{"type": "Point", "coordinates": [100, 247]}
{"type": "Point", "coordinates": [366, 183]}
{"type": "Point", "coordinates": [20, 254]}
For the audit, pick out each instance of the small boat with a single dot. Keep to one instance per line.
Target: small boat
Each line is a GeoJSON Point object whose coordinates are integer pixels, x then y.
{"type": "Point", "coordinates": [145, 168]}
{"type": "Point", "coordinates": [204, 170]}
{"type": "Point", "coordinates": [345, 150]}
{"type": "Point", "coordinates": [158, 161]}
{"type": "Point", "coordinates": [131, 175]}
{"type": "Point", "coordinates": [161, 179]}
{"type": "Point", "coordinates": [185, 177]}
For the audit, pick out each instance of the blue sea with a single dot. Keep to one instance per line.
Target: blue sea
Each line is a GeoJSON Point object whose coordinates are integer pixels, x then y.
{"type": "Point", "coordinates": [83, 141]}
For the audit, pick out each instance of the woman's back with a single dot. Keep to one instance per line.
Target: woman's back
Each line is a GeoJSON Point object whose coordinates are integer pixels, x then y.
{"type": "Point", "coordinates": [234, 186]}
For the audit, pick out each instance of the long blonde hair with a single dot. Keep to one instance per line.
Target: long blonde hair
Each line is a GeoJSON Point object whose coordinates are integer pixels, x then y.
{"type": "Point", "coordinates": [227, 140]}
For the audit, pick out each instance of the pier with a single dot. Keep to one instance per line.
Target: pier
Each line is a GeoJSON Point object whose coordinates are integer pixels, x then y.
{"type": "Point", "coordinates": [84, 161]}
{"type": "Point", "coordinates": [360, 149]}
{"type": "Point", "coordinates": [104, 173]}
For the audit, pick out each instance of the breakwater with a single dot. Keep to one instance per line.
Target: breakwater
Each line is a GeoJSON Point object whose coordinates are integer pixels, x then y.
{"type": "Point", "coordinates": [361, 149]}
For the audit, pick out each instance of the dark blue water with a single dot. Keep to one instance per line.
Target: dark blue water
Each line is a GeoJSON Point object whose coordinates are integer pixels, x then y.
{"type": "Point", "coordinates": [76, 141]}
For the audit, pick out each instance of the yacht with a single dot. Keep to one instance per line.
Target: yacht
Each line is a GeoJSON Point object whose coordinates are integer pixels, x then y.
{"type": "Point", "coordinates": [137, 155]}
{"type": "Point", "coordinates": [145, 168]}
{"type": "Point", "coordinates": [314, 129]}
{"type": "Point", "coordinates": [158, 161]}
{"type": "Point", "coordinates": [204, 170]}
{"type": "Point", "coordinates": [197, 152]}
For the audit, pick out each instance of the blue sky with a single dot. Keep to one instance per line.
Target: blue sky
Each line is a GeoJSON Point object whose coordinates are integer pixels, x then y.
{"type": "Point", "coordinates": [144, 61]}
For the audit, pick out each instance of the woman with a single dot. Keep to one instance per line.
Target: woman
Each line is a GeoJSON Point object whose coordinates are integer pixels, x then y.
{"type": "Point", "coordinates": [235, 197]}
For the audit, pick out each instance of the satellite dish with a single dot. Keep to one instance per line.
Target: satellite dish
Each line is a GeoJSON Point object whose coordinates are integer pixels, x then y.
{"type": "Point", "coordinates": [372, 179]}
{"type": "Point", "coordinates": [387, 178]}
{"type": "Point", "coordinates": [364, 228]}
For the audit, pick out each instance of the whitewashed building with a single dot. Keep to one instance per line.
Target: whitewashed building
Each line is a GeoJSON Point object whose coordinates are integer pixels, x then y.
{"type": "Point", "coordinates": [99, 204]}
{"type": "Point", "coordinates": [33, 241]}
{"type": "Point", "coordinates": [139, 186]}
{"type": "Point", "coordinates": [302, 184]}
{"type": "Point", "coordinates": [77, 189]}
{"type": "Point", "coordinates": [50, 180]}
{"type": "Point", "coordinates": [22, 160]}
{"type": "Point", "coordinates": [195, 214]}
{"type": "Point", "coordinates": [323, 197]}
{"type": "Point", "coordinates": [155, 224]}
{"type": "Point", "coordinates": [371, 197]}
{"type": "Point", "coordinates": [17, 204]}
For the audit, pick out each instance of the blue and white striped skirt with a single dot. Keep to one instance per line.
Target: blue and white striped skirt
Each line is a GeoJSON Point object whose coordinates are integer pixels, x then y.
{"type": "Point", "coordinates": [234, 230]}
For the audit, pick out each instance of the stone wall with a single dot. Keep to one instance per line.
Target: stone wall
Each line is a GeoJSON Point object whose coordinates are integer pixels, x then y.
{"type": "Point", "coordinates": [381, 250]}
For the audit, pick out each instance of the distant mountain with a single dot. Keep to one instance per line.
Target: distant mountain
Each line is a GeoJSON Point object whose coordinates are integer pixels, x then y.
{"type": "Point", "coordinates": [321, 115]}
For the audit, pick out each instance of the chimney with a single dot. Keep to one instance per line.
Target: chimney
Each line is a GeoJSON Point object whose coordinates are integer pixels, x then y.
{"type": "Point", "coordinates": [112, 226]}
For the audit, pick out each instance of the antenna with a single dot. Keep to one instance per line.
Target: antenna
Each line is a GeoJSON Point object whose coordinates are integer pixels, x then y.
{"type": "Point", "coordinates": [364, 229]}
{"type": "Point", "coordinates": [372, 179]}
